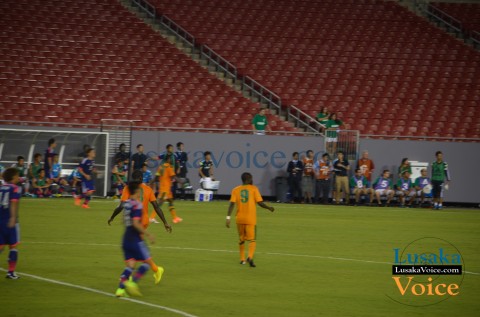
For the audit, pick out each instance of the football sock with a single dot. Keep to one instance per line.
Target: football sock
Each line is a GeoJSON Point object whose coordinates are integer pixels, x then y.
{"type": "Point", "coordinates": [173, 212]}
{"type": "Point", "coordinates": [87, 199]}
{"type": "Point", "coordinates": [251, 249]}
{"type": "Point", "coordinates": [12, 260]}
{"type": "Point", "coordinates": [152, 265]}
{"type": "Point", "coordinates": [140, 272]}
{"type": "Point", "coordinates": [435, 204]}
{"type": "Point", "coordinates": [242, 250]}
{"type": "Point", "coordinates": [124, 277]}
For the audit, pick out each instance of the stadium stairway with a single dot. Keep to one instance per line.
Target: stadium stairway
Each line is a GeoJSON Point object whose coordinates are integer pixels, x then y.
{"type": "Point", "coordinates": [383, 69]}
{"type": "Point", "coordinates": [78, 62]}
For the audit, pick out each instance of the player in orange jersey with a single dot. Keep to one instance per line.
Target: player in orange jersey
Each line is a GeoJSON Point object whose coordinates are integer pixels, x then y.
{"type": "Point", "coordinates": [246, 197]}
{"type": "Point", "coordinates": [165, 174]}
{"type": "Point", "coordinates": [146, 196]}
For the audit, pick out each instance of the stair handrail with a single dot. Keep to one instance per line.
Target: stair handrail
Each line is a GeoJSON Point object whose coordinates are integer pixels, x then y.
{"type": "Point", "coordinates": [304, 120]}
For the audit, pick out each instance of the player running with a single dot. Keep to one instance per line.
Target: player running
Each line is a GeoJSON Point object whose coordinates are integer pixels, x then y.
{"type": "Point", "coordinates": [245, 197]}
{"type": "Point", "coordinates": [9, 228]}
{"type": "Point", "coordinates": [134, 248]}
{"type": "Point", "coordinates": [146, 196]}
{"type": "Point", "coordinates": [165, 175]}
{"type": "Point", "coordinates": [86, 170]}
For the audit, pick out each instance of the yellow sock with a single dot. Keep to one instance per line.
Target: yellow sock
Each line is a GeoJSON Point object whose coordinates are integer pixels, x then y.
{"type": "Point", "coordinates": [172, 212]}
{"type": "Point", "coordinates": [152, 265]}
{"type": "Point", "coordinates": [251, 249]}
{"type": "Point", "coordinates": [242, 251]}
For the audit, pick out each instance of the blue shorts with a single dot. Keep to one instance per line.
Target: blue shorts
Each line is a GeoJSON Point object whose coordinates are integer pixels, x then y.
{"type": "Point", "coordinates": [137, 251]}
{"type": "Point", "coordinates": [9, 236]}
{"type": "Point", "coordinates": [88, 186]}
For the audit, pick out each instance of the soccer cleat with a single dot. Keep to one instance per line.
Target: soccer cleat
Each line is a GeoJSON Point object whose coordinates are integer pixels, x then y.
{"type": "Point", "coordinates": [250, 262]}
{"type": "Point", "coordinates": [121, 293]}
{"type": "Point", "coordinates": [132, 288]}
{"type": "Point", "coordinates": [243, 262]}
{"type": "Point", "coordinates": [158, 275]}
{"type": "Point", "coordinates": [153, 220]}
{"type": "Point", "coordinates": [12, 276]}
{"type": "Point", "coordinates": [78, 201]}
{"type": "Point", "coordinates": [177, 220]}
{"type": "Point", "coordinates": [85, 206]}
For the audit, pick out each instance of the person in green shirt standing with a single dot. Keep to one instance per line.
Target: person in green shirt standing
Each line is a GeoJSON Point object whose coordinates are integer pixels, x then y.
{"type": "Point", "coordinates": [260, 123]}
{"type": "Point", "coordinates": [440, 179]}
{"type": "Point", "coordinates": [333, 126]}
{"type": "Point", "coordinates": [322, 118]}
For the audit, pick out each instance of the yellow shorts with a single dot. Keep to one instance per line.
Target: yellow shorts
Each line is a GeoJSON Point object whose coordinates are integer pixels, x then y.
{"type": "Point", "coordinates": [247, 232]}
{"type": "Point", "coordinates": [165, 194]}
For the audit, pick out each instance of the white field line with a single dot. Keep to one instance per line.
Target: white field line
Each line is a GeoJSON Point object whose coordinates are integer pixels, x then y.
{"type": "Point", "coordinates": [229, 251]}
{"type": "Point", "coordinates": [92, 290]}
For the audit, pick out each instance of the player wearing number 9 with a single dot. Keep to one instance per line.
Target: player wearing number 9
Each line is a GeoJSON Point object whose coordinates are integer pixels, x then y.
{"type": "Point", "coordinates": [246, 197]}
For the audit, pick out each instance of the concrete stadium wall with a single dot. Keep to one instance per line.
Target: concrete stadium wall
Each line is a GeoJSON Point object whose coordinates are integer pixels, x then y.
{"type": "Point", "coordinates": [266, 157]}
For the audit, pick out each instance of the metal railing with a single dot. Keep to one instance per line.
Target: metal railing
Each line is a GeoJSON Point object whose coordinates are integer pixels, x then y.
{"type": "Point", "coordinates": [445, 18]}
{"type": "Point", "coordinates": [178, 30]}
{"type": "Point", "coordinates": [220, 63]}
{"type": "Point", "coordinates": [304, 121]}
{"type": "Point", "coordinates": [262, 93]}
{"type": "Point", "coordinates": [146, 6]}
{"type": "Point", "coordinates": [346, 141]}
{"type": "Point", "coordinates": [475, 36]}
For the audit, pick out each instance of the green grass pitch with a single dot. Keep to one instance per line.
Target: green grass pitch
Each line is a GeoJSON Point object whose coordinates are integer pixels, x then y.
{"type": "Point", "coordinates": [311, 261]}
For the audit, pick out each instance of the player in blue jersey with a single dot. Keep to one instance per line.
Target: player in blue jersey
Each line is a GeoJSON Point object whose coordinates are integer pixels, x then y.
{"type": "Point", "coordinates": [133, 245]}
{"type": "Point", "coordinates": [86, 170]}
{"type": "Point", "coordinates": [9, 228]}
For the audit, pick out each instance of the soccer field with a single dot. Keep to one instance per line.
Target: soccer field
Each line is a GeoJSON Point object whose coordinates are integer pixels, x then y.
{"type": "Point", "coordinates": [311, 261]}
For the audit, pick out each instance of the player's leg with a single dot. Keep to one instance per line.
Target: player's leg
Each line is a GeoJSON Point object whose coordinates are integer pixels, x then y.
{"type": "Point", "coordinates": [390, 193]}
{"type": "Point", "coordinates": [12, 239]}
{"type": "Point", "coordinates": [401, 197]}
{"type": "Point", "coordinates": [126, 273]}
{"type": "Point", "coordinates": [378, 193]}
{"type": "Point", "coordinates": [337, 189]}
{"type": "Point", "coordinates": [346, 189]}
{"type": "Point", "coordinates": [251, 232]}
{"type": "Point", "coordinates": [241, 243]}
{"type": "Point", "coordinates": [173, 212]}
{"type": "Point", "coordinates": [356, 192]}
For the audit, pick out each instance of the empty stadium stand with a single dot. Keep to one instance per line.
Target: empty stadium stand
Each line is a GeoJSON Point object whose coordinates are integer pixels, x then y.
{"type": "Point", "coordinates": [384, 70]}
{"type": "Point", "coordinates": [79, 62]}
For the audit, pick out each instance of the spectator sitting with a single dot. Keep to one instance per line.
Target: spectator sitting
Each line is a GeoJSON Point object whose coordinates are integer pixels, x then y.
{"type": "Point", "coordinates": [260, 123]}
{"type": "Point", "coordinates": [41, 185]}
{"type": "Point", "coordinates": [383, 187]}
{"type": "Point", "coordinates": [420, 184]}
{"type": "Point", "coordinates": [56, 173]}
{"type": "Point", "coordinates": [360, 186]}
{"type": "Point", "coordinates": [405, 189]}
{"type": "Point", "coordinates": [206, 168]}
{"type": "Point", "coordinates": [35, 167]}
{"type": "Point", "coordinates": [22, 173]}
{"type": "Point", "coordinates": [333, 127]}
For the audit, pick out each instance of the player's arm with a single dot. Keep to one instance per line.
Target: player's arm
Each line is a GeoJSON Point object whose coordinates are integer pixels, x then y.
{"type": "Point", "coordinates": [87, 177]}
{"type": "Point", "coordinates": [229, 213]}
{"type": "Point", "coordinates": [200, 171]}
{"type": "Point", "coordinates": [13, 213]}
{"type": "Point", "coordinates": [116, 212]}
{"type": "Point", "coordinates": [160, 214]}
{"type": "Point", "coordinates": [265, 206]}
{"type": "Point", "coordinates": [137, 224]}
